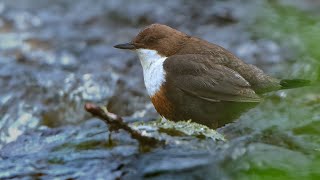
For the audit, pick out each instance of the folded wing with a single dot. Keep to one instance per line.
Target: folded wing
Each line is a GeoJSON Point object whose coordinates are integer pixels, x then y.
{"type": "Point", "coordinates": [197, 76]}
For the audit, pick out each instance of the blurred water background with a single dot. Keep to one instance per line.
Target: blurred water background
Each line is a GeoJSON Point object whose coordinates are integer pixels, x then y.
{"type": "Point", "coordinates": [57, 55]}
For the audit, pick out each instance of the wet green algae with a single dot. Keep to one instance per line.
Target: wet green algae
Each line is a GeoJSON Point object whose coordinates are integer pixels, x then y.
{"type": "Point", "coordinates": [180, 128]}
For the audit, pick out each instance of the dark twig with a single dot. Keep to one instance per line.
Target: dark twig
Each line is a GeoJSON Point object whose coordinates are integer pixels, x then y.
{"type": "Point", "coordinates": [116, 123]}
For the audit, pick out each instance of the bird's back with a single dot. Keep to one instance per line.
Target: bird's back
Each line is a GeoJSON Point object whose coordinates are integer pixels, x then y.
{"type": "Point", "coordinates": [259, 81]}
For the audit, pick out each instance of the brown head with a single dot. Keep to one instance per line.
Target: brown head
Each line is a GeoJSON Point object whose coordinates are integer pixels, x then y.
{"type": "Point", "coordinates": [164, 39]}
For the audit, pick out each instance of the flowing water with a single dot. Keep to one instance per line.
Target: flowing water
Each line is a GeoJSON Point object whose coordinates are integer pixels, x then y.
{"type": "Point", "coordinates": [57, 55]}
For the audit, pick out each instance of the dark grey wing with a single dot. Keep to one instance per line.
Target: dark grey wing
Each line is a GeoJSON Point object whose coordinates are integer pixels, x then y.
{"type": "Point", "coordinates": [195, 75]}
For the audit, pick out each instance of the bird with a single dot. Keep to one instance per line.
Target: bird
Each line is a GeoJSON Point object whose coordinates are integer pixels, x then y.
{"type": "Point", "coordinates": [188, 78]}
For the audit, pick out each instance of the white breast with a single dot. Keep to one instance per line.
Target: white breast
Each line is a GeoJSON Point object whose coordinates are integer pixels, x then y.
{"type": "Point", "coordinates": [153, 72]}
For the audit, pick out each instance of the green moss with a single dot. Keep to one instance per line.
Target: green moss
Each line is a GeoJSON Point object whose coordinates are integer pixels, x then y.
{"type": "Point", "coordinates": [181, 128]}
{"type": "Point", "coordinates": [56, 160]}
{"type": "Point", "coordinates": [171, 132]}
{"type": "Point", "coordinates": [63, 146]}
{"type": "Point", "coordinates": [94, 145]}
{"type": "Point", "coordinates": [289, 25]}
{"type": "Point", "coordinates": [85, 145]}
{"type": "Point", "coordinates": [299, 31]}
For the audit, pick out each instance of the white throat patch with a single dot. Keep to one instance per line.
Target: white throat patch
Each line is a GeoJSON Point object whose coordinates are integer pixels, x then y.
{"type": "Point", "coordinates": [153, 72]}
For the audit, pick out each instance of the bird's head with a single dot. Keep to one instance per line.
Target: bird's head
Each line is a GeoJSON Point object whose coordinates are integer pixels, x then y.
{"type": "Point", "coordinates": [162, 39]}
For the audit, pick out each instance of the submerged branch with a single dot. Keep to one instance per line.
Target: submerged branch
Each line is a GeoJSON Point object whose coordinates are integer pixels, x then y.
{"type": "Point", "coordinates": [116, 123]}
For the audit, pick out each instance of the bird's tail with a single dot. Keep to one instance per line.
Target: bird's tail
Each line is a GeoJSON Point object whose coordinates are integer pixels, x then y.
{"type": "Point", "coordinates": [294, 83]}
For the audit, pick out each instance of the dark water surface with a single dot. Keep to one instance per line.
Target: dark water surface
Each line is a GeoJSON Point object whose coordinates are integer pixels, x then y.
{"type": "Point", "coordinates": [57, 55]}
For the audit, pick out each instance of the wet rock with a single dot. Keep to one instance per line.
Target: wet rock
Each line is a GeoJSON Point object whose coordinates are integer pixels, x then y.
{"type": "Point", "coordinates": [43, 153]}
{"type": "Point", "coordinates": [55, 56]}
{"type": "Point", "coordinates": [85, 151]}
{"type": "Point", "coordinates": [308, 5]}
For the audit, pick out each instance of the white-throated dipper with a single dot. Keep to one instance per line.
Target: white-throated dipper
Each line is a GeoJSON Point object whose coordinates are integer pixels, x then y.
{"type": "Point", "coordinates": [190, 78]}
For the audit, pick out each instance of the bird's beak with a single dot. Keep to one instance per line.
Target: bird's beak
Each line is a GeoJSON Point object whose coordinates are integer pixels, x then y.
{"type": "Point", "coordinates": [129, 46]}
